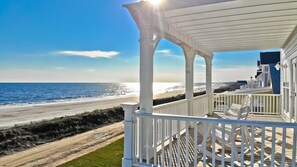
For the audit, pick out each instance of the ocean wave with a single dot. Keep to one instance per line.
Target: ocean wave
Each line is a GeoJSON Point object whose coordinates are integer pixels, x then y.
{"type": "Point", "coordinates": [30, 94]}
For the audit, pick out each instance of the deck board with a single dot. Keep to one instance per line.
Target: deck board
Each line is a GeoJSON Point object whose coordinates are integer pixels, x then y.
{"type": "Point", "coordinates": [247, 156]}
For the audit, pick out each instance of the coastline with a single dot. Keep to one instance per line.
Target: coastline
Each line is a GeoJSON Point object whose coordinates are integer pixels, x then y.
{"type": "Point", "coordinates": [71, 136]}
{"type": "Point", "coordinates": [19, 115]}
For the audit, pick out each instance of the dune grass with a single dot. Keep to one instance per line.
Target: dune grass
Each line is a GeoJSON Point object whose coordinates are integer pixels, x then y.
{"type": "Point", "coordinates": [108, 156]}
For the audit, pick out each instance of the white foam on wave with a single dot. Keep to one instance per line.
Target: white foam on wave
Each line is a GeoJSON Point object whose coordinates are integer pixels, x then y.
{"type": "Point", "coordinates": [158, 88]}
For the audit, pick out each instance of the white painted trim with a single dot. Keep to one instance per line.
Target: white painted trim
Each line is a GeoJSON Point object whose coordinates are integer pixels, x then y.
{"type": "Point", "coordinates": [145, 13]}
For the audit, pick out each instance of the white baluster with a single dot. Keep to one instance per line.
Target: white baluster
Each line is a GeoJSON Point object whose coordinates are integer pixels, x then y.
{"type": "Point", "coordinates": [195, 145]}
{"type": "Point", "coordinates": [294, 148]}
{"type": "Point", "coordinates": [262, 145]}
{"type": "Point", "coordinates": [284, 146]}
{"type": "Point", "coordinates": [273, 146]}
{"type": "Point", "coordinates": [252, 146]}
{"type": "Point", "coordinates": [155, 141]}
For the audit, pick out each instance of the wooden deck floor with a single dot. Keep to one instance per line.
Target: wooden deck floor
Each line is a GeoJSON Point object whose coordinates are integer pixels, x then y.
{"type": "Point", "coordinates": [247, 162]}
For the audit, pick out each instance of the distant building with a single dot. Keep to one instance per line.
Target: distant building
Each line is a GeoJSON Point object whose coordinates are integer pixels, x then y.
{"type": "Point", "coordinates": [241, 83]}
{"type": "Point", "coordinates": [267, 75]}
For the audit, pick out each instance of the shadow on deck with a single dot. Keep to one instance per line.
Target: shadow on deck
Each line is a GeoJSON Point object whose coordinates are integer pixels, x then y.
{"type": "Point", "coordinates": [247, 157]}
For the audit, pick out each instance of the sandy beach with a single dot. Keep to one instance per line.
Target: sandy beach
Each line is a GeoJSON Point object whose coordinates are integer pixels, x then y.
{"type": "Point", "coordinates": [9, 116]}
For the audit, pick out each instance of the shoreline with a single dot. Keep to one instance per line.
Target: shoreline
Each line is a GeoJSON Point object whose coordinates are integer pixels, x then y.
{"type": "Point", "coordinates": [93, 99]}
{"type": "Point", "coordinates": [23, 142]}
{"type": "Point", "coordinates": [20, 115]}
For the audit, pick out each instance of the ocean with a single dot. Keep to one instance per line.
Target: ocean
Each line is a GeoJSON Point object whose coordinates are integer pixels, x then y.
{"type": "Point", "coordinates": [20, 94]}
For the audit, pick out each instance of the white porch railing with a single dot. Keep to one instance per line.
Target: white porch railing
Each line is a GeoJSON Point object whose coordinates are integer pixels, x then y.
{"type": "Point", "coordinates": [179, 151]}
{"type": "Point", "coordinates": [200, 105]}
{"type": "Point", "coordinates": [261, 103]}
{"type": "Point", "coordinates": [181, 107]}
{"type": "Point", "coordinates": [174, 108]}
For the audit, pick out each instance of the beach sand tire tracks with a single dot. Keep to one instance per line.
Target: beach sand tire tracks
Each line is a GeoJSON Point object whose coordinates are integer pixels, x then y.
{"type": "Point", "coordinates": [59, 152]}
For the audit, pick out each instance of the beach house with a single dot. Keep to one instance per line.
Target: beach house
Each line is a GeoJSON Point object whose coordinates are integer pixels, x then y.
{"type": "Point", "coordinates": [268, 73]}
{"type": "Point", "coordinates": [188, 132]}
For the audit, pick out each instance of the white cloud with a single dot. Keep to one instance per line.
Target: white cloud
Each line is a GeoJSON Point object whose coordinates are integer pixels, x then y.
{"type": "Point", "coordinates": [165, 51]}
{"type": "Point", "coordinates": [60, 68]}
{"type": "Point", "coordinates": [90, 70]}
{"type": "Point", "coordinates": [90, 54]}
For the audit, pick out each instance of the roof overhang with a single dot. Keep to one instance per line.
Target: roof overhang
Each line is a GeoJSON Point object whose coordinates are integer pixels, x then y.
{"type": "Point", "coordinates": [222, 25]}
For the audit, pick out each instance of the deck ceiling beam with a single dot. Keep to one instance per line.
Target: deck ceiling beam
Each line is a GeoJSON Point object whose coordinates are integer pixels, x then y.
{"type": "Point", "coordinates": [271, 32]}
{"type": "Point", "coordinates": [235, 17]}
{"type": "Point", "coordinates": [238, 18]}
{"type": "Point", "coordinates": [237, 14]}
{"type": "Point", "coordinates": [245, 44]}
{"type": "Point", "coordinates": [245, 41]}
{"type": "Point", "coordinates": [205, 25]}
{"type": "Point", "coordinates": [244, 30]}
{"type": "Point", "coordinates": [225, 6]}
{"type": "Point", "coordinates": [286, 34]}
{"type": "Point", "coordinates": [241, 26]}
{"type": "Point", "coordinates": [251, 47]}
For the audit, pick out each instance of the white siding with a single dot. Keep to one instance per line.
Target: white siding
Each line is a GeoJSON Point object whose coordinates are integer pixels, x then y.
{"type": "Point", "coordinates": [290, 46]}
{"type": "Point", "coordinates": [289, 52]}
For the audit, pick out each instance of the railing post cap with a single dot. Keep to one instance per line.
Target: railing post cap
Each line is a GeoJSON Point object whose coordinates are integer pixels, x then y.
{"type": "Point", "coordinates": [127, 162]}
{"type": "Point", "coordinates": [130, 106]}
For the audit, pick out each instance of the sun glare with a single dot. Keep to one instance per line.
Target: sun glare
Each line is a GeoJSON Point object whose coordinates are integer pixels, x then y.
{"type": "Point", "coordinates": [155, 2]}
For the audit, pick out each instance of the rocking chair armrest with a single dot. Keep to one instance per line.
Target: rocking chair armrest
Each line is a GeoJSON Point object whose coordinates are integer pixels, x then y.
{"type": "Point", "coordinates": [233, 110]}
{"type": "Point", "coordinates": [229, 132]}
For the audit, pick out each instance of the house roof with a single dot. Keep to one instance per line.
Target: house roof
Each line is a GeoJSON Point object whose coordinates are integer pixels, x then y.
{"type": "Point", "coordinates": [269, 57]}
{"type": "Point", "coordinates": [258, 73]}
{"type": "Point", "coordinates": [221, 25]}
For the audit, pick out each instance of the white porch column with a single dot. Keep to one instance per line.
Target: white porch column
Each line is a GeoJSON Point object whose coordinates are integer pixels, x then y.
{"type": "Point", "coordinates": [148, 43]}
{"type": "Point", "coordinates": [143, 13]}
{"type": "Point", "coordinates": [208, 62]}
{"type": "Point", "coordinates": [291, 92]}
{"type": "Point", "coordinates": [189, 85]}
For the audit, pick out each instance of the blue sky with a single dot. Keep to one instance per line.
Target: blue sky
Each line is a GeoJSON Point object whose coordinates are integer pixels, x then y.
{"type": "Point", "coordinates": [92, 41]}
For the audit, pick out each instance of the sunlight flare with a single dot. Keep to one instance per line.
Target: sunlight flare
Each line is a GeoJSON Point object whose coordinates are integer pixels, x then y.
{"type": "Point", "coordinates": [155, 2]}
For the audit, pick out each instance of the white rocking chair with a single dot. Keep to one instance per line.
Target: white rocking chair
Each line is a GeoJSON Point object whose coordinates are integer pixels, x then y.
{"type": "Point", "coordinates": [233, 110]}
{"type": "Point", "coordinates": [239, 112]}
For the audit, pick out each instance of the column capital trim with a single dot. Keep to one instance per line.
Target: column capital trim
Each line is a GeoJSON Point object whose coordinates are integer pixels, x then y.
{"type": "Point", "coordinates": [189, 52]}
{"type": "Point", "coordinates": [208, 58]}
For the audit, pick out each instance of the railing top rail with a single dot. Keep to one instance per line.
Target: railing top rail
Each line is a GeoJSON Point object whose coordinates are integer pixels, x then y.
{"type": "Point", "coordinates": [242, 94]}
{"type": "Point", "coordinates": [265, 94]}
{"type": "Point", "coordinates": [214, 120]}
{"type": "Point", "coordinates": [170, 103]}
{"type": "Point", "coordinates": [201, 96]}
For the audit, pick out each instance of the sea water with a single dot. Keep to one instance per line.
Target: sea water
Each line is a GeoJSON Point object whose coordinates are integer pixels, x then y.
{"type": "Point", "coordinates": [19, 94]}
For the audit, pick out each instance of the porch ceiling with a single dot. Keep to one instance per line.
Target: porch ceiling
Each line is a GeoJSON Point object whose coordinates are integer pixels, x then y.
{"type": "Point", "coordinates": [229, 25]}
